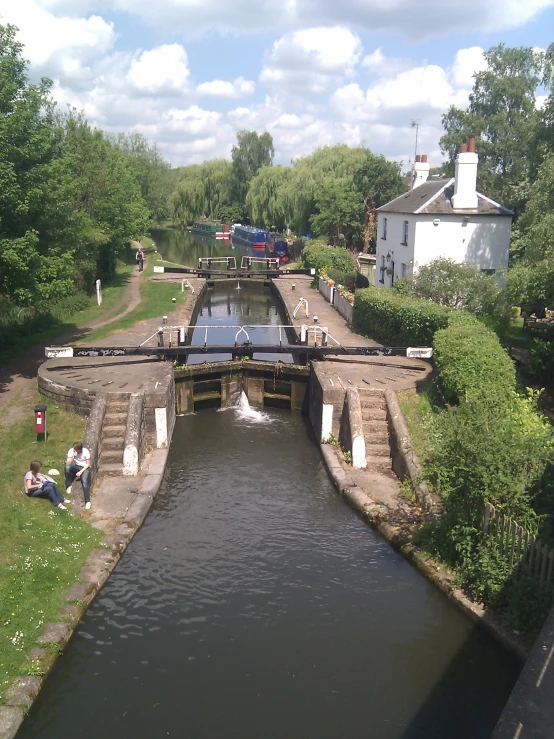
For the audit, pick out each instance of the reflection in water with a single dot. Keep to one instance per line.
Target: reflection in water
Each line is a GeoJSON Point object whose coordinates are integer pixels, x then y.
{"type": "Point", "coordinates": [185, 248]}
{"type": "Point", "coordinates": [254, 603]}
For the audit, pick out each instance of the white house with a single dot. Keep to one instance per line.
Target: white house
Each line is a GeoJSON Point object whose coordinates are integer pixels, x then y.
{"type": "Point", "coordinates": [442, 218]}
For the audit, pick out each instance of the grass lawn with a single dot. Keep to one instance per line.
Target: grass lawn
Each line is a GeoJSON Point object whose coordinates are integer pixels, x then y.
{"type": "Point", "coordinates": [155, 301]}
{"type": "Point", "coordinates": [42, 549]}
{"type": "Point", "coordinates": [417, 408]}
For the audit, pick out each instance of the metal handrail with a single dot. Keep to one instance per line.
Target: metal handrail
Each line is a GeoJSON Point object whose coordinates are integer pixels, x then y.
{"type": "Point", "coordinates": [301, 302]}
{"type": "Point", "coordinates": [186, 283]}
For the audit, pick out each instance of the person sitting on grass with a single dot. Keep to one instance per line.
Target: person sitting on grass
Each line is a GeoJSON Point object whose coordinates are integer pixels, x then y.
{"type": "Point", "coordinates": [39, 486]}
{"type": "Point", "coordinates": [77, 466]}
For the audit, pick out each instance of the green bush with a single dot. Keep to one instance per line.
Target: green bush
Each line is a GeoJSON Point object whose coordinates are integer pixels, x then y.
{"type": "Point", "coordinates": [348, 279]}
{"type": "Point", "coordinates": [361, 281]}
{"type": "Point", "coordinates": [394, 319]}
{"type": "Point", "coordinates": [542, 360]}
{"type": "Point", "coordinates": [470, 362]}
{"type": "Point", "coordinates": [317, 256]}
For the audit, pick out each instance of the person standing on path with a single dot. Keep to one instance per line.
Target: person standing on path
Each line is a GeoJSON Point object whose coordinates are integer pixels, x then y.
{"type": "Point", "coordinates": [77, 466]}
{"type": "Point", "coordinates": [38, 486]}
{"type": "Point", "coordinates": [140, 258]}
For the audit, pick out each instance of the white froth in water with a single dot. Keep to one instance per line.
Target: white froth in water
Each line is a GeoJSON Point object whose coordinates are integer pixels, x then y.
{"type": "Point", "coordinates": [246, 413]}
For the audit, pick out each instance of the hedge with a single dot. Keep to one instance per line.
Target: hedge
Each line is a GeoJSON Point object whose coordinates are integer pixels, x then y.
{"type": "Point", "coordinates": [394, 319]}
{"type": "Point", "coordinates": [471, 362]}
{"type": "Point", "coordinates": [335, 257]}
{"type": "Point", "coordinates": [468, 356]}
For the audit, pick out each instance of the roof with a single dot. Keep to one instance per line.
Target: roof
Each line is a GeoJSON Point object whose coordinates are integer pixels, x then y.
{"type": "Point", "coordinates": [434, 197]}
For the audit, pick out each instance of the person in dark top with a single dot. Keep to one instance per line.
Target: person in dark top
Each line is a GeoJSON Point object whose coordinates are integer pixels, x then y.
{"type": "Point", "coordinates": [140, 258]}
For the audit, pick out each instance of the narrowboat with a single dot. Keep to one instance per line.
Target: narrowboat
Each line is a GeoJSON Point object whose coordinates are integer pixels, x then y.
{"type": "Point", "coordinates": [277, 247]}
{"type": "Point", "coordinates": [211, 228]}
{"type": "Point", "coordinates": [251, 236]}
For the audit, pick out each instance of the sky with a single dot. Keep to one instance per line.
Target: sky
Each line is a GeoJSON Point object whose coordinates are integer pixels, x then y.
{"type": "Point", "coordinates": [188, 74]}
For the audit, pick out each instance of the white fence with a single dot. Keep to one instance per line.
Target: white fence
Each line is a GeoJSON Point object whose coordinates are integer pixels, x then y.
{"type": "Point", "coordinates": [340, 304]}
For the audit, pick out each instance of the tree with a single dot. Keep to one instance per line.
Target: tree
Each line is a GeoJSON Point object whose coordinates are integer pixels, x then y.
{"type": "Point", "coordinates": [503, 115]}
{"type": "Point", "coordinates": [249, 155]}
{"type": "Point", "coordinates": [266, 200]}
{"type": "Point", "coordinates": [29, 142]}
{"type": "Point", "coordinates": [460, 286]}
{"type": "Point", "coordinates": [378, 181]}
{"type": "Point", "coordinates": [151, 171]}
{"type": "Point", "coordinates": [338, 214]}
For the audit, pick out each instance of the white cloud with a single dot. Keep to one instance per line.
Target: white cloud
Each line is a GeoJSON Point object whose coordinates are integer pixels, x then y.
{"type": "Point", "coordinates": [313, 60]}
{"type": "Point", "coordinates": [219, 88]}
{"type": "Point", "coordinates": [467, 63]}
{"type": "Point", "coordinates": [413, 19]}
{"type": "Point", "coordinates": [163, 70]}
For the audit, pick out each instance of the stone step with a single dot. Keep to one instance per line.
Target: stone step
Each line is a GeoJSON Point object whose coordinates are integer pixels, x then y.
{"type": "Point", "coordinates": [376, 437]}
{"type": "Point", "coordinates": [376, 426]}
{"type": "Point", "coordinates": [373, 461]}
{"type": "Point", "coordinates": [112, 443]}
{"type": "Point", "coordinates": [372, 401]}
{"type": "Point", "coordinates": [110, 456]}
{"type": "Point", "coordinates": [118, 397]}
{"type": "Point", "coordinates": [117, 406]}
{"type": "Point", "coordinates": [110, 470]}
{"type": "Point", "coordinates": [116, 431]}
{"type": "Point", "coordinates": [374, 414]}
{"type": "Point", "coordinates": [377, 450]}
{"type": "Point", "coordinates": [115, 419]}
{"type": "Point", "coordinates": [365, 392]}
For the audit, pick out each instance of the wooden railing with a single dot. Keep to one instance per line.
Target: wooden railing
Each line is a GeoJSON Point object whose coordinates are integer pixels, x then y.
{"type": "Point", "coordinates": [519, 547]}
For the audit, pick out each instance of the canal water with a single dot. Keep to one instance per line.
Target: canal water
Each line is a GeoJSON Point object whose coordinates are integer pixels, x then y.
{"type": "Point", "coordinates": [255, 604]}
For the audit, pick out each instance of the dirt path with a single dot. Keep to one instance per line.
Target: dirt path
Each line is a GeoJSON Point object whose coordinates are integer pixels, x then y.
{"type": "Point", "coordinates": [18, 377]}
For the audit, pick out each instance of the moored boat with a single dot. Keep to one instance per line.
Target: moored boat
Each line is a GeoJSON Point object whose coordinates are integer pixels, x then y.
{"type": "Point", "coordinates": [276, 246]}
{"type": "Point", "coordinates": [251, 236]}
{"type": "Point", "coordinates": [211, 228]}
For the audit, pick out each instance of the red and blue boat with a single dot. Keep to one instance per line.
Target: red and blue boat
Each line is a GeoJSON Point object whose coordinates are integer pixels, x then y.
{"type": "Point", "coordinates": [277, 247]}
{"type": "Point", "coordinates": [250, 236]}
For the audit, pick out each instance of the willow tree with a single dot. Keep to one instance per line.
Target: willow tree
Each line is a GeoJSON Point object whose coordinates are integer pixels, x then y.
{"type": "Point", "coordinates": [266, 201]}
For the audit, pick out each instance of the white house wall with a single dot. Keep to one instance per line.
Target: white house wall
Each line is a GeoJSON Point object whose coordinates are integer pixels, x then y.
{"type": "Point", "coordinates": [482, 240]}
{"type": "Point", "coordinates": [400, 253]}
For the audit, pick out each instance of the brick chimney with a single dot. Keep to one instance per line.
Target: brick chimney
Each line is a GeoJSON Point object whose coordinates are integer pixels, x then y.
{"type": "Point", "coordinates": [465, 184]}
{"type": "Point", "coordinates": [420, 170]}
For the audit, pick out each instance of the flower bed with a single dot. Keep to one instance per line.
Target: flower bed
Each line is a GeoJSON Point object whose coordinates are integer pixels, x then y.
{"type": "Point", "coordinates": [339, 297]}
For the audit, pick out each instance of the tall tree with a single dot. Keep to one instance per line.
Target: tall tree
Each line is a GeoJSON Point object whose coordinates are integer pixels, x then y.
{"type": "Point", "coordinates": [251, 152]}
{"type": "Point", "coordinates": [502, 113]}
{"type": "Point", "coordinates": [266, 201]}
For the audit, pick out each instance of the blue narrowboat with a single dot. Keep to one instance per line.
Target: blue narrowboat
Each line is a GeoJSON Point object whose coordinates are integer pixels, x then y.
{"type": "Point", "coordinates": [251, 236]}
{"type": "Point", "coordinates": [277, 246]}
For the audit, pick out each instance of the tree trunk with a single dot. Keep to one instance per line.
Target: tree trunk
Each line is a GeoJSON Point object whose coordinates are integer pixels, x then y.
{"type": "Point", "coordinates": [369, 225]}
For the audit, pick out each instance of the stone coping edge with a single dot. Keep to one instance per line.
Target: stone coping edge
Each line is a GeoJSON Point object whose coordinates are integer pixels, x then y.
{"type": "Point", "coordinates": [98, 567]}
{"type": "Point", "coordinates": [375, 512]}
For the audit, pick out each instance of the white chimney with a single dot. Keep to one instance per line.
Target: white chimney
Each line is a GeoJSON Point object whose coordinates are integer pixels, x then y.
{"type": "Point", "coordinates": [465, 192]}
{"type": "Point", "coordinates": [420, 170]}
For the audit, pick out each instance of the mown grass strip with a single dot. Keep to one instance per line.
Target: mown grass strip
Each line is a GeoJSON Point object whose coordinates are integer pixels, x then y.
{"type": "Point", "coordinates": [42, 549]}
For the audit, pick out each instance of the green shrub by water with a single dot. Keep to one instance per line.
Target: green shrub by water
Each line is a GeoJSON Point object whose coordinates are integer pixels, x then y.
{"type": "Point", "coordinates": [318, 256]}
{"type": "Point", "coordinates": [471, 363]}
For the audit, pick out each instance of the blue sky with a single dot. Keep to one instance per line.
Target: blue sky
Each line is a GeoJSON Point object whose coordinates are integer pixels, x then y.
{"type": "Point", "coordinates": [189, 73]}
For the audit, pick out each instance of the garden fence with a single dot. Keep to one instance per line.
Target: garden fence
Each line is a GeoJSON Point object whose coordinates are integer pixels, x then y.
{"type": "Point", "coordinates": [519, 547]}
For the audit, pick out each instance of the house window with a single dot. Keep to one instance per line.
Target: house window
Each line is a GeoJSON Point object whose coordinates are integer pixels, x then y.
{"type": "Point", "coordinates": [383, 269]}
{"type": "Point", "coordinates": [384, 234]}
{"type": "Point", "coordinates": [403, 270]}
{"type": "Point", "coordinates": [405, 233]}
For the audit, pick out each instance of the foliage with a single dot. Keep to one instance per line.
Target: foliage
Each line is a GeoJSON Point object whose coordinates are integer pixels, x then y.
{"type": "Point", "coordinates": [471, 363]}
{"type": "Point", "coordinates": [347, 279]}
{"type": "Point", "coordinates": [265, 202]}
{"type": "Point", "coordinates": [502, 112]}
{"type": "Point", "coordinates": [460, 286]}
{"type": "Point", "coordinates": [204, 191]}
{"type": "Point", "coordinates": [338, 213]}
{"type": "Point", "coordinates": [542, 360]}
{"type": "Point", "coordinates": [251, 152]}
{"type": "Point", "coordinates": [392, 318]}
{"type": "Point", "coordinates": [317, 256]}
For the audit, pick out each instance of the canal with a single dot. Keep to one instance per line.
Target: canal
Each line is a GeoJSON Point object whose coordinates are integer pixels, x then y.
{"type": "Point", "coordinates": [254, 603]}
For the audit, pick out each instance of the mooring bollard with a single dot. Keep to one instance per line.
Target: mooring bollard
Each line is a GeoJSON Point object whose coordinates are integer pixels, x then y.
{"type": "Point", "coordinates": [293, 286]}
{"type": "Point", "coordinates": [164, 320]}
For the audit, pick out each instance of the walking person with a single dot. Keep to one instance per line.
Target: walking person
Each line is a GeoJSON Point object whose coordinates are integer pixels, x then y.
{"type": "Point", "coordinates": [77, 467]}
{"type": "Point", "coordinates": [140, 258]}
{"type": "Point", "coordinates": [39, 486]}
